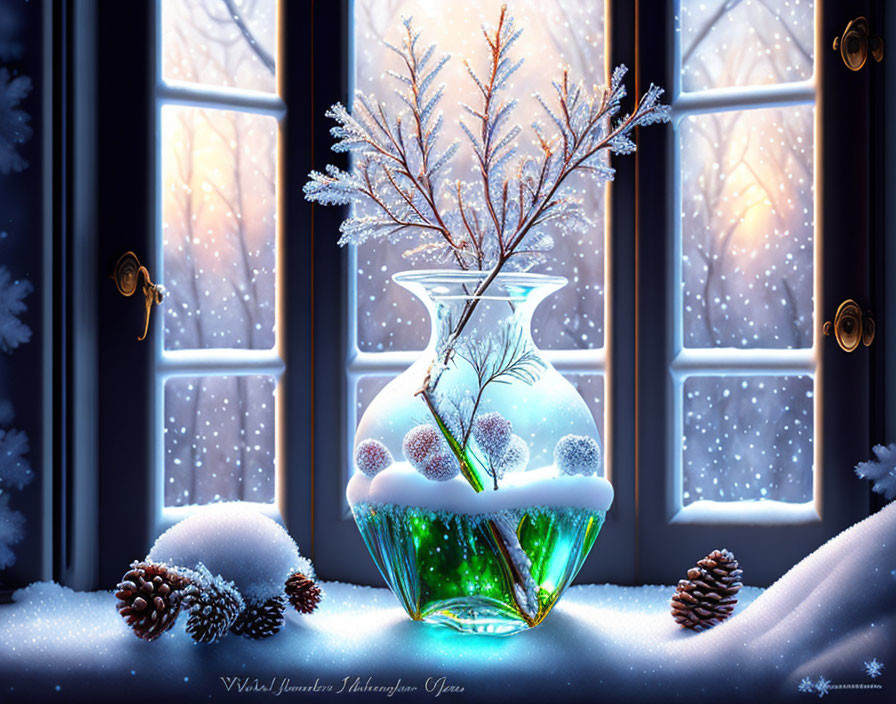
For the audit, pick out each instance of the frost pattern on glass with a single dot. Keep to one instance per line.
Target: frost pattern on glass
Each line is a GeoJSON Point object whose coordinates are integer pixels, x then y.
{"type": "Point", "coordinates": [219, 439]}
{"type": "Point", "coordinates": [748, 438]}
{"type": "Point", "coordinates": [745, 42]}
{"type": "Point", "coordinates": [558, 33]}
{"type": "Point", "coordinates": [219, 213]}
{"type": "Point", "coordinates": [747, 228]}
{"type": "Point", "coordinates": [229, 43]}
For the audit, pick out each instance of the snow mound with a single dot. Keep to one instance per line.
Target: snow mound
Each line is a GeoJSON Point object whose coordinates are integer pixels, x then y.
{"type": "Point", "coordinates": [237, 542]}
{"type": "Point", "coordinates": [821, 622]}
{"type": "Point", "coordinates": [827, 612]}
{"type": "Point", "coordinates": [403, 486]}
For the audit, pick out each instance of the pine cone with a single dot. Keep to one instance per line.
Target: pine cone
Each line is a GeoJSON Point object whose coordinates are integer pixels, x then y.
{"type": "Point", "coordinates": [303, 593]}
{"type": "Point", "coordinates": [149, 597]}
{"type": "Point", "coordinates": [214, 605]}
{"type": "Point", "coordinates": [707, 597]}
{"type": "Point", "coordinates": [259, 621]}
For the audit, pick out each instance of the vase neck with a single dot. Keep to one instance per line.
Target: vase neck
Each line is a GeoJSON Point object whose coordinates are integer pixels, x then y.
{"type": "Point", "coordinates": [474, 304]}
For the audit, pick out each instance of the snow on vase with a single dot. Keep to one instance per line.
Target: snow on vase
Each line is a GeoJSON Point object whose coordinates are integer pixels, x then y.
{"type": "Point", "coordinates": [477, 484]}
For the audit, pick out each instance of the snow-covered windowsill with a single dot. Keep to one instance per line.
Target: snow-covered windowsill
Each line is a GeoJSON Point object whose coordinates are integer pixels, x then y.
{"type": "Point", "coordinates": [829, 615]}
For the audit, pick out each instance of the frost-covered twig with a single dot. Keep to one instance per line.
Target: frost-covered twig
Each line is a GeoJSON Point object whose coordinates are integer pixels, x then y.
{"type": "Point", "coordinates": [397, 171]}
{"type": "Point", "coordinates": [496, 360]}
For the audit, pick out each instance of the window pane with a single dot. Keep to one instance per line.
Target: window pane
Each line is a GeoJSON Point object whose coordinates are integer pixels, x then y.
{"type": "Point", "coordinates": [219, 212]}
{"type": "Point", "coordinates": [219, 439]}
{"type": "Point", "coordinates": [747, 228]}
{"type": "Point", "coordinates": [747, 438]}
{"type": "Point", "coordinates": [737, 43]}
{"type": "Point", "coordinates": [230, 43]}
{"type": "Point", "coordinates": [557, 33]}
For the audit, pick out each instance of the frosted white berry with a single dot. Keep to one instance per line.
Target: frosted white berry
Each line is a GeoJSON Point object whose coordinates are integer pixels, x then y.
{"type": "Point", "coordinates": [577, 454]}
{"type": "Point", "coordinates": [372, 457]}
{"type": "Point", "coordinates": [440, 467]}
{"type": "Point", "coordinates": [420, 443]}
{"type": "Point", "coordinates": [515, 457]}
{"type": "Point", "coordinates": [492, 433]}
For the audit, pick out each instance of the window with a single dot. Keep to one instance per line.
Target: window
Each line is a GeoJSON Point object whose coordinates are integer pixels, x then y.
{"type": "Point", "coordinates": [745, 350]}
{"type": "Point", "coordinates": [692, 295]}
{"type": "Point", "coordinates": [218, 347]}
{"type": "Point", "coordinates": [387, 328]}
{"type": "Point", "coordinates": [715, 388]}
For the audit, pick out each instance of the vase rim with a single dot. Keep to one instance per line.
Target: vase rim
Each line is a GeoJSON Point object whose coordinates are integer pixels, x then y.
{"type": "Point", "coordinates": [455, 276]}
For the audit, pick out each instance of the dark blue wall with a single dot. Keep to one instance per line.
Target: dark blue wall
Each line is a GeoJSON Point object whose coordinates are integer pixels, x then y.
{"type": "Point", "coordinates": [21, 252]}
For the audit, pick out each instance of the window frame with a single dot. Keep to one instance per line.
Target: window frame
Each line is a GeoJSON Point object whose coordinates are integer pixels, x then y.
{"type": "Point", "coordinates": [102, 396]}
{"type": "Point", "coordinates": [172, 364]}
{"type": "Point", "coordinates": [842, 381]}
{"type": "Point", "coordinates": [690, 362]}
{"type": "Point", "coordinates": [103, 508]}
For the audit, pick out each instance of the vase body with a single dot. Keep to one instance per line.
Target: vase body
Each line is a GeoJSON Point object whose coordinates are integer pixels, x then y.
{"type": "Point", "coordinates": [489, 544]}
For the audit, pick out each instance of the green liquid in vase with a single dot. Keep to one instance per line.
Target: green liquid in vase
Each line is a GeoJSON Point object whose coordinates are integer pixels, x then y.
{"type": "Point", "coordinates": [448, 568]}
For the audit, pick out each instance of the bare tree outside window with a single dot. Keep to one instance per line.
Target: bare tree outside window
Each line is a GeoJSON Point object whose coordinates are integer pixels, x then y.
{"type": "Point", "coordinates": [557, 33]}
{"type": "Point", "coordinates": [219, 209]}
{"type": "Point", "coordinates": [748, 250]}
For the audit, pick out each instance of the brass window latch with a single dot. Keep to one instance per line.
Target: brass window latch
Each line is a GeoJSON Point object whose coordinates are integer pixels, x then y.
{"type": "Point", "coordinates": [851, 327]}
{"type": "Point", "coordinates": [126, 273]}
{"type": "Point", "coordinates": [857, 42]}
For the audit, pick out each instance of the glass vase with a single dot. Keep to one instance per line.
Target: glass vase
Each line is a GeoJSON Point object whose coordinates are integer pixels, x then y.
{"type": "Point", "coordinates": [478, 482]}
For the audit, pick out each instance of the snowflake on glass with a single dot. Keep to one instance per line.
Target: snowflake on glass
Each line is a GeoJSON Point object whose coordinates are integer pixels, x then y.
{"type": "Point", "coordinates": [13, 332]}
{"type": "Point", "coordinates": [14, 128]}
{"type": "Point", "coordinates": [881, 471]}
{"type": "Point", "coordinates": [874, 668]}
{"type": "Point", "coordinates": [822, 686]}
{"type": "Point", "coordinates": [806, 685]}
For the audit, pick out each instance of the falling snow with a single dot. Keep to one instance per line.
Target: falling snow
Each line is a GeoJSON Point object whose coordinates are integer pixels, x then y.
{"type": "Point", "coordinates": [219, 212]}
{"type": "Point", "coordinates": [219, 439]}
{"type": "Point", "coordinates": [725, 43]}
{"type": "Point", "coordinates": [219, 225]}
{"type": "Point", "coordinates": [747, 228]}
{"type": "Point", "coordinates": [748, 437]}
{"type": "Point", "coordinates": [202, 42]}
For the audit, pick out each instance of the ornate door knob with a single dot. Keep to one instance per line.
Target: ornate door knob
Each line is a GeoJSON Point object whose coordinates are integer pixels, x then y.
{"type": "Point", "coordinates": [851, 327]}
{"type": "Point", "coordinates": [857, 42]}
{"type": "Point", "coordinates": [126, 274]}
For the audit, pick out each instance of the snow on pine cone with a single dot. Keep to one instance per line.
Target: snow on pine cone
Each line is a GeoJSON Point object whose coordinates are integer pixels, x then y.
{"type": "Point", "coordinates": [577, 454]}
{"type": "Point", "coordinates": [214, 605]}
{"type": "Point", "coordinates": [372, 457]}
{"type": "Point", "coordinates": [149, 597]}
{"type": "Point", "coordinates": [492, 433]}
{"type": "Point", "coordinates": [422, 442]}
{"type": "Point", "coordinates": [238, 543]}
{"type": "Point", "coordinates": [709, 594]}
{"type": "Point", "coordinates": [261, 619]}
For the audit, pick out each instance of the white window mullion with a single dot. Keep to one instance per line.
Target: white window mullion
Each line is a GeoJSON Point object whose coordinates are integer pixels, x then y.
{"type": "Point", "coordinates": [722, 99]}
{"type": "Point", "coordinates": [220, 98]}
